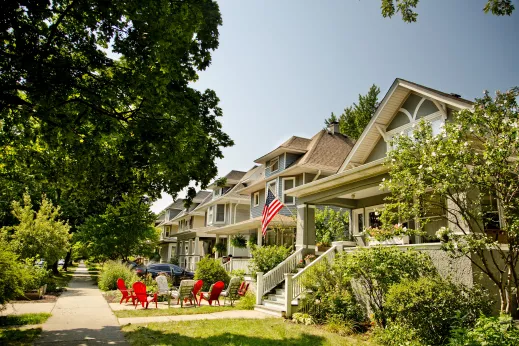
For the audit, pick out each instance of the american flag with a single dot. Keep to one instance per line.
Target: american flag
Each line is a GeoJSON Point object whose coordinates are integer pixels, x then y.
{"type": "Point", "coordinates": [271, 208]}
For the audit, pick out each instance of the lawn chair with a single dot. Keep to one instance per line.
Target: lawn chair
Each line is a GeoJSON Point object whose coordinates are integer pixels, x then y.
{"type": "Point", "coordinates": [127, 293]}
{"type": "Point", "coordinates": [213, 294]}
{"type": "Point", "coordinates": [196, 289]}
{"type": "Point", "coordinates": [162, 282]}
{"type": "Point", "coordinates": [243, 288]}
{"type": "Point", "coordinates": [142, 296]}
{"type": "Point", "coordinates": [231, 292]}
{"type": "Point", "coordinates": [184, 292]}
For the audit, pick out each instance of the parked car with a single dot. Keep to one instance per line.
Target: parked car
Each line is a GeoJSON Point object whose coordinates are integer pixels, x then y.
{"type": "Point", "coordinates": [176, 272]}
{"type": "Point", "coordinates": [61, 262]}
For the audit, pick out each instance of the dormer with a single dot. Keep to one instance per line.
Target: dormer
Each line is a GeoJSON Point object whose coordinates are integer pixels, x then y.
{"type": "Point", "coordinates": [284, 156]}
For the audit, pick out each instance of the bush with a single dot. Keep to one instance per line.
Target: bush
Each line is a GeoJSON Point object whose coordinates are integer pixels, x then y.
{"type": "Point", "coordinates": [247, 302]}
{"type": "Point", "coordinates": [113, 270]}
{"type": "Point", "coordinates": [13, 276]}
{"type": "Point", "coordinates": [431, 306]}
{"type": "Point", "coordinates": [238, 273]}
{"type": "Point", "coordinates": [210, 271]}
{"type": "Point", "coordinates": [395, 335]}
{"type": "Point", "coordinates": [488, 331]}
{"type": "Point", "coordinates": [302, 318]}
{"type": "Point", "coordinates": [266, 258]}
{"type": "Point", "coordinates": [36, 277]}
{"type": "Point", "coordinates": [174, 260]}
{"type": "Point", "coordinates": [239, 241]}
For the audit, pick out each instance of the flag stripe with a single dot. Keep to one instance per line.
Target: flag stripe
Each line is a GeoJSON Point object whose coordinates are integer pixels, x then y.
{"type": "Point", "coordinates": [271, 208]}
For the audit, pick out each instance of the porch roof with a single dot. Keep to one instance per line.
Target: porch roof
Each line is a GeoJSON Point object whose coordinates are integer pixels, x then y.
{"type": "Point", "coordinates": [278, 220]}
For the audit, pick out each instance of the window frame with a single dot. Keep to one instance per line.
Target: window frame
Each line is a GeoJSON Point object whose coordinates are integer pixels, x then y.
{"type": "Point", "coordinates": [373, 208]}
{"type": "Point", "coordinates": [210, 215]}
{"type": "Point", "coordinates": [216, 213]}
{"type": "Point", "coordinates": [355, 216]}
{"type": "Point", "coordinates": [254, 196]}
{"type": "Point", "coordinates": [271, 164]}
{"type": "Point", "coordinates": [283, 180]}
{"type": "Point", "coordinates": [275, 192]}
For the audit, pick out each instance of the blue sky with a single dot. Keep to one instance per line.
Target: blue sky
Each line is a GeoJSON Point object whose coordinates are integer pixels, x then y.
{"type": "Point", "coordinates": [284, 65]}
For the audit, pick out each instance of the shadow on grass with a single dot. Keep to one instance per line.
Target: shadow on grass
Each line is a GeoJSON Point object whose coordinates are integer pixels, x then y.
{"type": "Point", "coordinates": [145, 336]}
{"type": "Point", "coordinates": [19, 337]}
{"type": "Point", "coordinates": [108, 335]}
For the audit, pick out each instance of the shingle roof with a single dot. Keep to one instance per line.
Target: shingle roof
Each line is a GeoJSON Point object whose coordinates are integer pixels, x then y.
{"type": "Point", "coordinates": [451, 96]}
{"type": "Point", "coordinates": [327, 151]}
{"type": "Point", "coordinates": [295, 142]}
{"type": "Point", "coordinates": [201, 195]}
{"type": "Point", "coordinates": [235, 175]}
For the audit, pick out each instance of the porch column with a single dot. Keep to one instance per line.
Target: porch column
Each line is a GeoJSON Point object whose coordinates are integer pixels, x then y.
{"type": "Point", "coordinates": [350, 222]}
{"type": "Point", "coordinates": [260, 237]}
{"type": "Point", "coordinates": [169, 252]}
{"type": "Point", "coordinates": [216, 254]}
{"type": "Point", "coordinates": [197, 241]}
{"type": "Point", "coordinates": [305, 236]}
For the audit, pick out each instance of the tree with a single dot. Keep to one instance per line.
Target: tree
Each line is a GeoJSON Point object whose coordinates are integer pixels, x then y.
{"type": "Point", "coordinates": [121, 231]}
{"type": "Point", "coordinates": [406, 8]}
{"type": "Point", "coordinates": [38, 234]}
{"type": "Point", "coordinates": [355, 118]}
{"type": "Point", "coordinates": [468, 176]}
{"type": "Point", "coordinates": [331, 225]}
{"type": "Point", "coordinates": [132, 119]}
{"type": "Point", "coordinates": [332, 119]}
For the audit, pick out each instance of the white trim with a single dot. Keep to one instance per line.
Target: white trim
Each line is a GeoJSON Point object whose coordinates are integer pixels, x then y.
{"type": "Point", "coordinates": [418, 107]}
{"type": "Point", "coordinates": [254, 204]}
{"type": "Point", "coordinates": [285, 166]}
{"type": "Point", "coordinates": [406, 112]}
{"type": "Point", "coordinates": [210, 211]}
{"type": "Point", "coordinates": [429, 118]}
{"type": "Point", "coordinates": [441, 107]}
{"type": "Point", "coordinates": [283, 190]}
{"type": "Point", "coordinates": [267, 188]}
{"type": "Point", "coordinates": [270, 164]}
{"type": "Point", "coordinates": [382, 131]}
{"type": "Point", "coordinates": [355, 213]}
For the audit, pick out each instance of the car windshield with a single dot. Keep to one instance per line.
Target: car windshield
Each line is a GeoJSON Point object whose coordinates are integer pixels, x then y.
{"type": "Point", "coordinates": [176, 268]}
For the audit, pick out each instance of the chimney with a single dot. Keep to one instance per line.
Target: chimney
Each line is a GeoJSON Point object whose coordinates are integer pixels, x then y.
{"type": "Point", "coordinates": [333, 127]}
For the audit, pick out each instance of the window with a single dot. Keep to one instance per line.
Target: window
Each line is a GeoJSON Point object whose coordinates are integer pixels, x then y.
{"type": "Point", "coordinates": [273, 187]}
{"type": "Point", "coordinates": [220, 213]}
{"type": "Point", "coordinates": [191, 222]}
{"type": "Point", "coordinates": [256, 199]}
{"type": "Point", "coordinates": [358, 221]}
{"type": "Point", "coordinates": [274, 164]}
{"type": "Point", "coordinates": [490, 211]}
{"type": "Point", "coordinates": [210, 216]}
{"type": "Point", "coordinates": [372, 215]}
{"type": "Point", "coordinates": [218, 192]}
{"type": "Point", "coordinates": [288, 183]}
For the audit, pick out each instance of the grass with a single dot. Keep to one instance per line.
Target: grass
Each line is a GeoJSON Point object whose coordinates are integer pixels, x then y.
{"type": "Point", "coordinates": [19, 337]}
{"type": "Point", "coordinates": [230, 332]}
{"type": "Point", "coordinates": [172, 311]}
{"type": "Point", "coordinates": [24, 319]}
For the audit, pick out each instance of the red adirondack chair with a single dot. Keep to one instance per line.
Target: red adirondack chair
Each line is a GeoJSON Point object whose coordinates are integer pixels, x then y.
{"type": "Point", "coordinates": [142, 297]}
{"type": "Point", "coordinates": [213, 294]}
{"type": "Point", "coordinates": [243, 288]}
{"type": "Point", "coordinates": [196, 289]}
{"type": "Point", "coordinates": [127, 294]}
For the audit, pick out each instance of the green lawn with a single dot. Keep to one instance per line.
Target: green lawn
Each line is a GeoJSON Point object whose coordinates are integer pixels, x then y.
{"type": "Point", "coordinates": [172, 311]}
{"type": "Point", "coordinates": [19, 337]}
{"type": "Point", "coordinates": [24, 319]}
{"type": "Point", "coordinates": [230, 332]}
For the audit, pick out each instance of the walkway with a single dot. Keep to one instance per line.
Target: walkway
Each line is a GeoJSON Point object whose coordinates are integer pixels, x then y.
{"type": "Point", "coordinates": [235, 314]}
{"type": "Point", "coordinates": [81, 316]}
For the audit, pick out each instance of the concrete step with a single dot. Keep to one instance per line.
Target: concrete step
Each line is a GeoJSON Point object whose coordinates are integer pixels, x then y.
{"type": "Point", "coordinates": [274, 304]}
{"type": "Point", "coordinates": [269, 310]}
{"type": "Point", "coordinates": [280, 291]}
{"type": "Point", "coordinates": [276, 297]}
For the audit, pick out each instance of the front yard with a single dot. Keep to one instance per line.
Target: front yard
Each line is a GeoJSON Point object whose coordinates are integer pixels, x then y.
{"type": "Point", "coordinates": [236, 332]}
{"type": "Point", "coordinates": [12, 331]}
{"type": "Point", "coordinates": [139, 312]}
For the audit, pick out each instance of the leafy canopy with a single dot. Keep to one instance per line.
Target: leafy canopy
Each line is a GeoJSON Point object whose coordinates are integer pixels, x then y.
{"type": "Point", "coordinates": [407, 8]}
{"type": "Point", "coordinates": [472, 165]}
{"type": "Point", "coordinates": [123, 230]}
{"type": "Point", "coordinates": [331, 225]}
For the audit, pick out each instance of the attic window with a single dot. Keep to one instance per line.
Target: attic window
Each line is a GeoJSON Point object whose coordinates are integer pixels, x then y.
{"type": "Point", "coordinates": [274, 164]}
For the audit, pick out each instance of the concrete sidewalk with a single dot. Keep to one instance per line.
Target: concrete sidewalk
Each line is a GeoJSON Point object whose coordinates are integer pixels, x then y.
{"type": "Point", "coordinates": [81, 316]}
{"type": "Point", "coordinates": [234, 314]}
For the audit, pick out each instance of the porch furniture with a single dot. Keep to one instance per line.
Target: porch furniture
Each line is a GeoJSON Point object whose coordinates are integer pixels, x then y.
{"type": "Point", "coordinates": [243, 288]}
{"type": "Point", "coordinates": [196, 289]}
{"type": "Point", "coordinates": [213, 293]}
{"type": "Point", "coordinates": [231, 292]}
{"type": "Point", "coordinates": [127, 293]}
{"type": "Point", "coordinates": [142, 296]}
{"type": "Point", "coordinates": [184, 292]}
{"type": "Point", "coordinates": [162, 282]}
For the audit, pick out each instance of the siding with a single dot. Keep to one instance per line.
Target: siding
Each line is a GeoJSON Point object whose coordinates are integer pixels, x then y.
{"type": "Point", "coordinates": [378, 152]}
{"type": "Point", "coordinates": [242, 213]}
{"type": "Point", "coordinates": [400, 119]}
{"type": "Point", "coordinates": [290, 159]}
{"type": "Point", "coordinates": [411, 103]}
{"type": "Point", "coordinates": [256, 211]}
{"type": "Point", "coordinates": [268, 172]}
{"type": "Point", "coordinates": [309, 177]}
{"type": "Point", "coordinates": [425, 109]}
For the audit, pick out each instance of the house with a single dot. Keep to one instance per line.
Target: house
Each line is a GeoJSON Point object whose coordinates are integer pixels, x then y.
{"type": "Point", "coordinates": [168, 230]}
{"type": "Point", "coordinates": [355, 186]}
{"type": "Point", "coordinates": [296, 162]}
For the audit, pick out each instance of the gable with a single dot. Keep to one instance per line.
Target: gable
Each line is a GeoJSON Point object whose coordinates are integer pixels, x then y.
{"type": "Point", "coordinates": [400, 119]}
{"type": "Point", "coordinates": [379, 152]}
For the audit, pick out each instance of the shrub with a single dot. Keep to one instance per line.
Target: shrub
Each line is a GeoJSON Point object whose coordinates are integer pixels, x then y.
{"type": "Point", "coordinates": [113, 270]}
{"type": "Point", "coordinates": [266, 258]}
{"type": "Point", "coordinates": [430, 306]}
{"type": "Point", "coordinates": [210, 271]}
{"type": "Point", "coordinates": [377, 268]}
{"type": "Point", "coordinates": [302, 318]}
{"type": "Point", "coordinates": [220, 247]}
{"type": "Point", "coordinates": [13, 276]}
{"type": "Point", "coordinates": [395, 335]}
{"type": "Point", "coordinates": [36, 277]}
{"type": "Point", "coordinates": [247, 302]}
{"type": "Point", "coordinates": [174, 260]}
{"type": "Point", "coordinates": [239, 241]}
{"type": "Point", "coordinates": [488, 331]}
{"type": "Point", "coordinates": [238, 273]}
{"type": "Point", "coordinates": [331, 225]}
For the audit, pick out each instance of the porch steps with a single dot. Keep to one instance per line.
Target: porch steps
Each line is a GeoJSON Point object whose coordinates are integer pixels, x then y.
{"type": "Point", "coordinates": [274, 302]}
{"type": "Point", "coordinates": [274, 311]}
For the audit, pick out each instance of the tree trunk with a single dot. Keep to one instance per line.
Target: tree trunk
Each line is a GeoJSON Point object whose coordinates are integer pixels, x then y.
{"type": "Point", "coordinates": [54, 268]}
{"type": "Point", "coordinates": [67, 260]}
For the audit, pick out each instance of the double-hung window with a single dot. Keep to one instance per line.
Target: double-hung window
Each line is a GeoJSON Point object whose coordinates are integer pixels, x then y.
{"type": "Point", "coordinates": [288, 183]}
{"type": "Point", "coordinates": [220, 213]}
{"type": "Point", "coordinates": [210, 215]}
{"type": "Point", "coordinates": [256, 199]}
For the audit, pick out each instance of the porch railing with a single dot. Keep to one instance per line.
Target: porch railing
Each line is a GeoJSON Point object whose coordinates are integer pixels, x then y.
{"type": "Point", "coordinates": [266, 282]}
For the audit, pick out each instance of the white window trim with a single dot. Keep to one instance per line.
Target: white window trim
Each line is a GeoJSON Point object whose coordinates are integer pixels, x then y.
{"type": "Point", "coordinates": [216, 212]}
{"type": "Point", "coordinates": [355, 214]}
{"type": "Point", "coordinates": [270, 164]}
{"type": "Point", "coordinates": [405, 128]}
{"type": "Point", "coordinates": [210, 215]}
{"type": "Point", "coordinates": [267, 188]}
{"type": "Point", "coordinates": [377, 208]}
{"type": "Point", "coordinates": [283, 191]}
{"type": "Point", "coordinates": [256, 194]}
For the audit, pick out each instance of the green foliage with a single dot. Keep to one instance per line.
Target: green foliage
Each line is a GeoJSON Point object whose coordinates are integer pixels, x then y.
{"type": "Point", "coordinates": [355, 117]}
{"type": "Point", "coordinates": [174, 260]}
{"type": "Point", "coordinates": [302, 318]}
{"type": "Point", "coordinates": [239, 241]}
{"type": "Point", "coordinates": [210, 271]}
{"type": "Point", "coordinates": [265, 258]}
{"type": "Point", "coordinates": [488, 331]}
{"type": "Point", "coordinates": [395, 335]}
{"type": "Point", "coordinates": [113, 270]}
{"type": "Point", "coordinates": [220, 247]}
{"type": "Point", "coordinates": [332, 119]}
{"type": "Point", "coordinates": [377, 268]}
{"type": "Point", "coordinates": [38, 234]}
{"type": "Point", "coordinates": [331, 297]}
{"type": "Point", "coordinates": [247, 302]}
{"type": "Point", "coordinates": [238, 273]}
{"type": "Point", "coordinates": [407, 8]}
{"type": "Point", "coordinates": [13, 276]}
{"type": "Point", "coordinates": [431, 306]}
{"type": "Point", "coordinates": [253, 241]}
{"type": "Point", "coordinates": [24, 319]}
{"type": "Point", "coordinates": [35, 277]}
{"type": "Point", "coordinates": [123, 230]}
{"type": "Point", "coordinates": [331, 225]}
{"type": "Point", "coordinates": [443, 177]}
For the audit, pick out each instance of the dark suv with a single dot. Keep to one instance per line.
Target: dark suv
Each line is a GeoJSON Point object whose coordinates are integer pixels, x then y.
{"type": "Point", "coordinates": [175, 271]}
